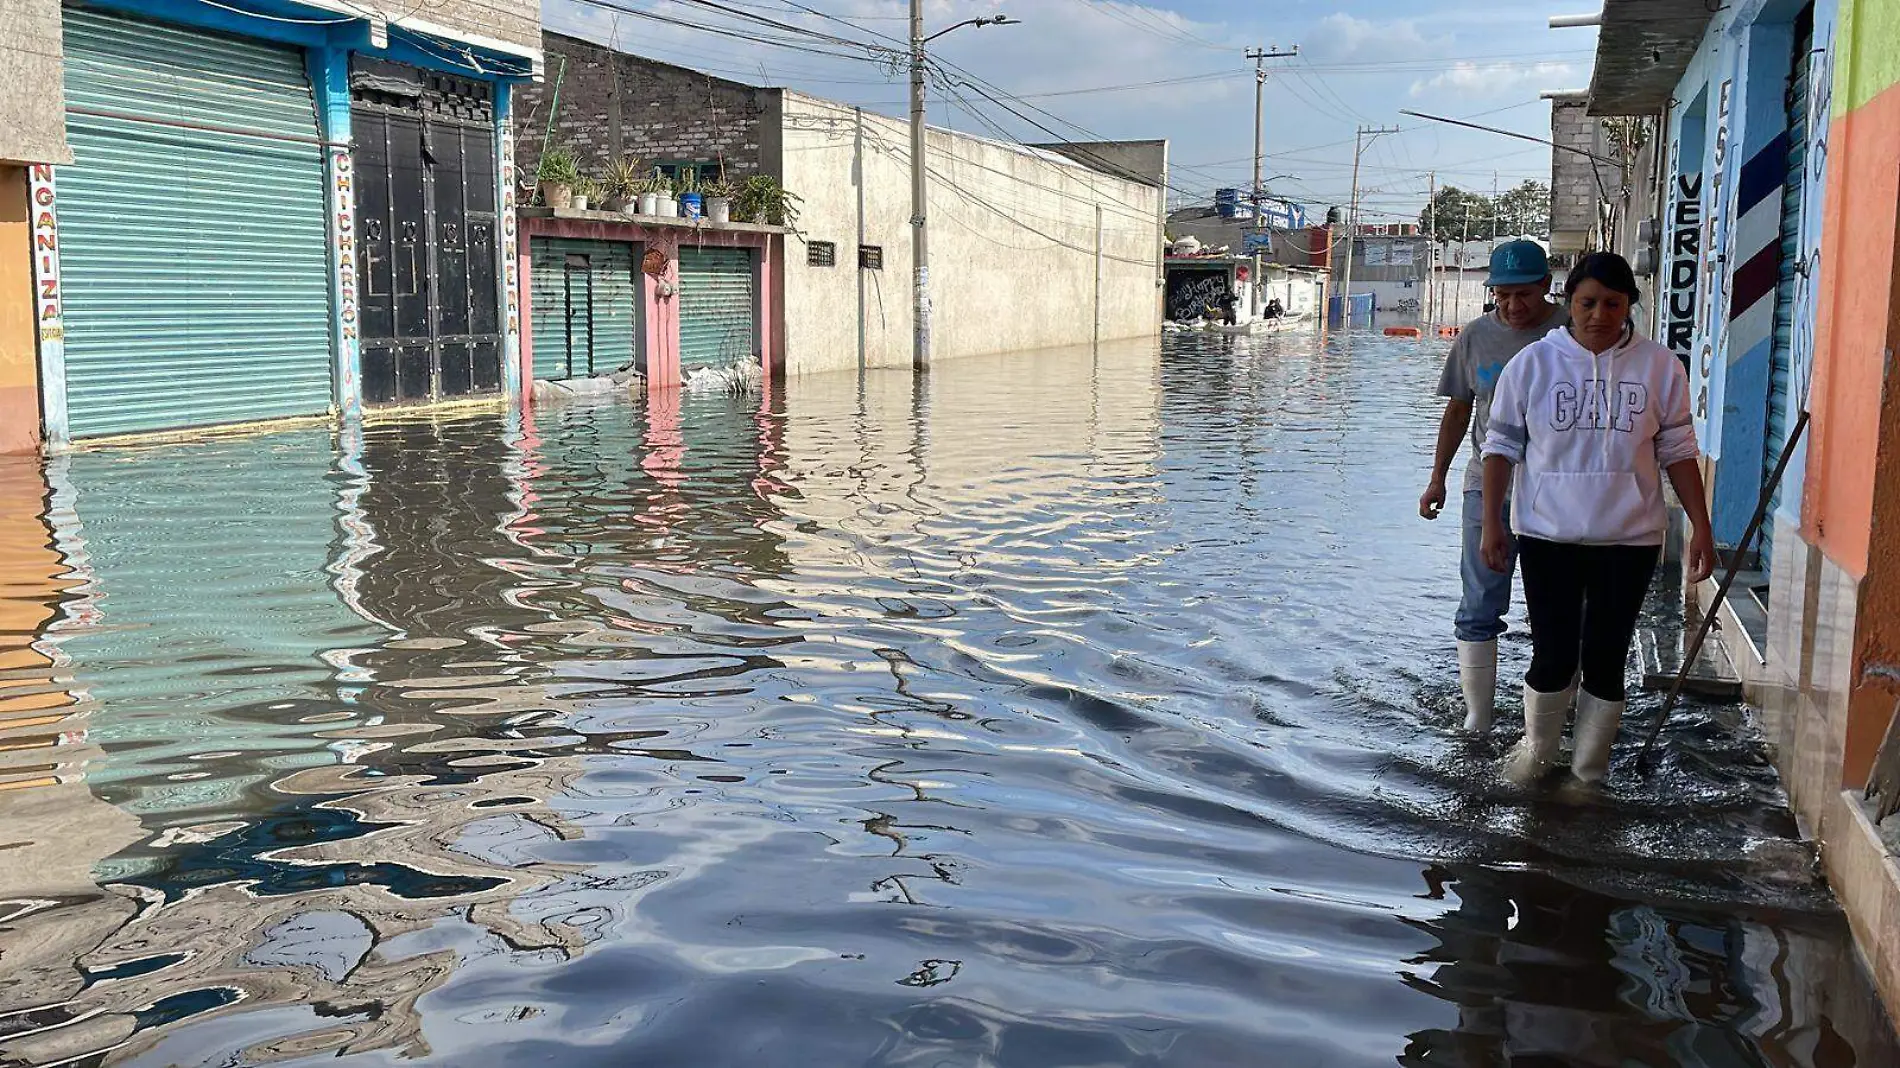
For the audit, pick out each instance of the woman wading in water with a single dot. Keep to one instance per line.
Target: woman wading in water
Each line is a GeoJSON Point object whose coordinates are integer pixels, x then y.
{"type": "Point", "coordinates": [1586, 421]}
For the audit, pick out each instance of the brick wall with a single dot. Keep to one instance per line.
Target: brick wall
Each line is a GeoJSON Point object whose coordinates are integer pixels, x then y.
{"type": "Point", "coordinates": [517, 22]}
{"type": "Point", "coordinates": [613, 104]}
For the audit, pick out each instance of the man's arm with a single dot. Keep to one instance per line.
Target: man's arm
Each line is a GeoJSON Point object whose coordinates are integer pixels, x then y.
{"type": "Point", "coordinates": [1451, 432]}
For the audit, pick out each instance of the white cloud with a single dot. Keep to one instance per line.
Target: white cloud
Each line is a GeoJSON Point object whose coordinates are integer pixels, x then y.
{"type": "Point", "coordinates": [1340, 36]}
{"type": "Point", "coordinates": [1496, 79]}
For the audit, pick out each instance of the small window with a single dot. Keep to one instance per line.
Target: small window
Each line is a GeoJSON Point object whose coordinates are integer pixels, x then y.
{"type": "Point", "coordinates": [871, 257]}
{"type": "Point", "coordinates": [821, 254]}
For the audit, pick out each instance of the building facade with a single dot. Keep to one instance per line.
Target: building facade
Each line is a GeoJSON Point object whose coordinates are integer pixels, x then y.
{"type": "Point", "coordinates": [1029, 248]}
{"type": "Point", "coordinates": [273, 209]}
{"type": "Point", "coordinates": [1775, 250]}
{"type": "Point", "coordinates": [1033, 247]}
{"type": "Point", "coordinates": [32, 135]}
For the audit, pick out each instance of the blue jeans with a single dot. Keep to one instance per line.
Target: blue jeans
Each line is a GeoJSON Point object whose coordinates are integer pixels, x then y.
{"type": "Point", "coordinates": [1487, 595]}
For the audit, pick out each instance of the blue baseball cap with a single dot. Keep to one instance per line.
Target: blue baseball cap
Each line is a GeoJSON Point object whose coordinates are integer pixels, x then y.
{"type": "Point", "coordinates": [1518, 263]}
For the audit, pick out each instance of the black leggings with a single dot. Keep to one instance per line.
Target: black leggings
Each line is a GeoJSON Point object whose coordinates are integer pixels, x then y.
{"type": "Point", "coordinates": [1583, 602]}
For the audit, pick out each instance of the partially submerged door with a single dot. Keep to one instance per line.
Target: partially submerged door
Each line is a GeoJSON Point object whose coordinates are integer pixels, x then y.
{"type": "Point", "coordinates": [426, 227]}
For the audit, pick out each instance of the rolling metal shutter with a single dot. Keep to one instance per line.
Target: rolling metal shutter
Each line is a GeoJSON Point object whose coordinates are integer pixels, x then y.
{"type": "Point", "coordinates": [585, 313]}
{"type": "Point", "coordinates": [193, 238]}
{"type": "Point", "coordinates": [1781, 356]}
{"type": "Point", "coordinates": [716, 307]}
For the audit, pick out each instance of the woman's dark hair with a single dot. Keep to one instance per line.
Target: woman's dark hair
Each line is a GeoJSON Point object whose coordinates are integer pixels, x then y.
{"type": "Point", "coordinates": [1607, 269]}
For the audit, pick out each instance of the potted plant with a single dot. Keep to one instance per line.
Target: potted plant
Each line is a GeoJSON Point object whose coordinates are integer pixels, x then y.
{"type": "Point", "coordinates": [692, 205]}
{"type": "Point", "coordinates": [649, 196]}
{"type": "Point", "coordinates": [719, 202]}
{"type": "Point", "coordinates": [668, 207]}
{"type": "Point", "coordinates": [586, 190]}
{"type": "Point", "coordinates": [621, 187]}
{"type": "Point", "coordinates": [762, 200]}
{"type": "Point", "coordinates": [557, 175]}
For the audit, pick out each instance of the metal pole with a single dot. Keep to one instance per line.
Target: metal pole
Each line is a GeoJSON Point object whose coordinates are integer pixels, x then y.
{"type": "Point", "coordinates": [1431, 253]}
{"type": "Point", "coordinates": [919, 195]}
{"type": "Point", "coordinates": [1260, 57]}
{"type": "Point", "coordinates": [1352, 229]}
{"type": "Point", "coordinates": [1259, 94]}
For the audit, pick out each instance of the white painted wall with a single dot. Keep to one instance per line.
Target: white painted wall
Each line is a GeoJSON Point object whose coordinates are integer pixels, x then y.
{"type": "Point", "coordinates": [1013, 239]}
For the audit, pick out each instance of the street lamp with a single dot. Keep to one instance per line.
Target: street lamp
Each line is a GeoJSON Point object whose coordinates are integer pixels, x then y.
{"type": "Point", "coordinates": [919, 240]}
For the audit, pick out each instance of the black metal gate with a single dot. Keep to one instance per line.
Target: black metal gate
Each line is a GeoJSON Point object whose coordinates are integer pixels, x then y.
{"type": "Point", "coordinates": [424, 149]}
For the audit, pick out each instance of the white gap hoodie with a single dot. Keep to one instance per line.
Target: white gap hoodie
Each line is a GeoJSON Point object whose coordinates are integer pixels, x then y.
{"type": "Point", "coordinates": [1591, 435]}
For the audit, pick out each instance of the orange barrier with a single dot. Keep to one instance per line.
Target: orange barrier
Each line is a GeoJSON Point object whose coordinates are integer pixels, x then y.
{"type": "Point", "coordinates": [1401, 331]}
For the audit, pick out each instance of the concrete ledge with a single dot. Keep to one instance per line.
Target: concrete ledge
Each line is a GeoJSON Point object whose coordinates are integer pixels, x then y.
{"type": "Point", "coordinates": [1867, 882]}
{"type": "Point", "coordinates": [651, 222]}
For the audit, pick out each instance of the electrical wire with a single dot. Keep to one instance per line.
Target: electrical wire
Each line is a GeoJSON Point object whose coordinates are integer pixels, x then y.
{"type": "Point", "coordinates": [276, 18]}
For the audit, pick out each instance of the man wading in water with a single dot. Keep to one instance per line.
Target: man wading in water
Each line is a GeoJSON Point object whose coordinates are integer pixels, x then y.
{"type": "Point", "coordinates": [1520, 276]}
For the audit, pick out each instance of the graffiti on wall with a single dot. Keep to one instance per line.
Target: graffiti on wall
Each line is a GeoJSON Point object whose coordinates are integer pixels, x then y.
{"type": "Point", "coordinates": [1191, 293]}
{"type": "Point", "coordinates": [46, 303]}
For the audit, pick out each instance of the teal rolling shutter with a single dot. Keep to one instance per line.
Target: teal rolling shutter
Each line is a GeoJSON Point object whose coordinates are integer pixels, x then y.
{"type": "Point", "coordinates": [193, 235]}
{"type": "Point", "coordinates": [1781, 357]}
{"type": "Point", "coordinates": [716, 307]}
{"type": "Point", "coordinates": [594, 281]}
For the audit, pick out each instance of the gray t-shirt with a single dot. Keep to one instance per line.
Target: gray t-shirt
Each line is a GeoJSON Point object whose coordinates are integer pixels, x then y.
{"type": "Point", "coordinates": [1472, 368]}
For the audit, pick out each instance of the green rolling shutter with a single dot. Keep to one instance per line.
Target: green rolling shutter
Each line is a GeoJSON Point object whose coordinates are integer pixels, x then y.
{"type": "Point", "coordinates": [716, 307]}
{"type": "Point", "coordinates": [193, 230]}
{"type": "Point", "coordinates": [586, 303]}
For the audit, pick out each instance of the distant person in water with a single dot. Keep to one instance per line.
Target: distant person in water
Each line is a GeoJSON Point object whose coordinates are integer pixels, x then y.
{"type": "Point", "coordinates": [1583, 426]}
{"type": "Point", "coordinates": [1519, 279]}
{"type": "Point", "coordinates": [1274, 310]}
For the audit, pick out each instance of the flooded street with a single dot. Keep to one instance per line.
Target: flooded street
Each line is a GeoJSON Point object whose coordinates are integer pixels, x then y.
{"type": "Point", "coordinates": [1095, 709]}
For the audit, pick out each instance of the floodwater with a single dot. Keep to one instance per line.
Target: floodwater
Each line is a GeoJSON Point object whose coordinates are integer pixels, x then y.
{"type": "Point", "coordinates": [1083, 709]}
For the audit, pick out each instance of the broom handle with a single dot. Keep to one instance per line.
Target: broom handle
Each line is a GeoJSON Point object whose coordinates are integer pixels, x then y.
{"type": "Point", "coordinates": [1721, 591]}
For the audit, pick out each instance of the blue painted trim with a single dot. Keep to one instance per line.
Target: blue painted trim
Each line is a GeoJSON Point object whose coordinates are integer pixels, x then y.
{"type": "Point", "coordinates": [330, 79]}
{"type": "Point", "coordinates": [345, 34]}
{"type": "Point", "coordinates": [1744, 427]}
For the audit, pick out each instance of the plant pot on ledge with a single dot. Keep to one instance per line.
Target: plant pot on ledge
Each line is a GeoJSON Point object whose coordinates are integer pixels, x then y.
{"type": "Point", "coordinates": [649, 204]}
{"type": "Point", "coordinates": [557, 195]}
{"type": "Point", "coordinates": [719, 210]}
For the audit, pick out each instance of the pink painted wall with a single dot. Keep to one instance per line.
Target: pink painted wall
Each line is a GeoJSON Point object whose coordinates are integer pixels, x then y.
{"type": "Point", "coordinates": [659, 294]}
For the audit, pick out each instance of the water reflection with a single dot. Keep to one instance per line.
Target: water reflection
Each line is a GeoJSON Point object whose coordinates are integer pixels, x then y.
{"type": "Point", "coordinates": [1082, 709]}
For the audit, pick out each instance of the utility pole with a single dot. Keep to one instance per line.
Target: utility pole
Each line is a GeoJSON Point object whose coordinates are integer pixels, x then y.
{"type": "Point", "coordinates": [919, 195]}
{"type": "Point", "coordinates": [1464, 246]}
{"type": "Point", "coordinates": [1431, 253]}
{"type": "Point", "coordinates": [919, 170]}
{"type": "Point", "coordinates": [1352, 216]}
{"type": "Point", "coordinates": [1260, 57]}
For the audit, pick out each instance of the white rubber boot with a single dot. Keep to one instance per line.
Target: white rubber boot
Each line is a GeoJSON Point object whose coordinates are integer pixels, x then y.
{"type": "Point", "coordinates": [1597, 722]}
{"type": "Point", "coordinates": [1544, 715]}
{"type": "Point", "coordinates": [1478, 674]}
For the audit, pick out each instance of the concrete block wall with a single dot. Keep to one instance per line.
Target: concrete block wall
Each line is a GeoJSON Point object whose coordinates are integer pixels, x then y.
{"type": "Point", "coordinates": [32, 105]}
{"type": "Point", "coordinates": [1013, 239]}
{"type": "Point", "coordinates": [614, 105]}
{"type": "Point", "coordinates": [517, 22]}
{"type": "Point", "coordinates": [1573, 186]}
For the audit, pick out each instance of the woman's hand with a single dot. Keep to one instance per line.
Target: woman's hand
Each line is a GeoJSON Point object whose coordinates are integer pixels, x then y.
{"type": "Point", "coordinates": [1699, 563]}
{"type": "Point", "coordinates": [1496, 547]}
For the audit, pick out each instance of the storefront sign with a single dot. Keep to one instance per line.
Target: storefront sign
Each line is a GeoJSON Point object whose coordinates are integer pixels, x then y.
{"type": "Point", "coordinates": [46, 255]}
{"type": "Point", "coordinates": [343, 223]}
{"type": "Point", "coordinates": [510, 258]}
{"type": "Point", "coordinates": [1685, 256]}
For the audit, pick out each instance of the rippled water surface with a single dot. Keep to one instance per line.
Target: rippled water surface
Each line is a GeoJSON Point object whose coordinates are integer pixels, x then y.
{"type": "Point", "coordinates": [1076, 709]}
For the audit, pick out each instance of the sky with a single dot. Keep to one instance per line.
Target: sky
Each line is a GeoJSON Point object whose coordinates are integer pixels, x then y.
{"type": "Point", "coordinates": [1085, 69]}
